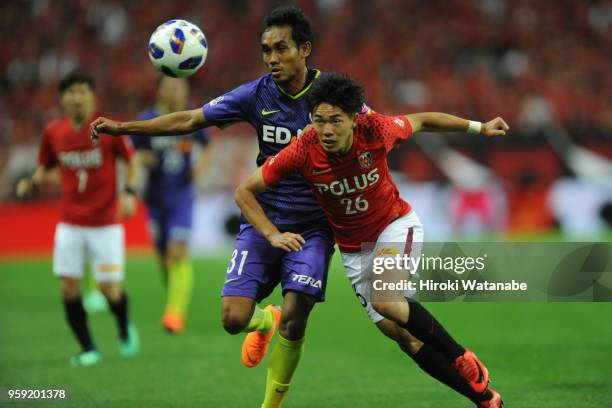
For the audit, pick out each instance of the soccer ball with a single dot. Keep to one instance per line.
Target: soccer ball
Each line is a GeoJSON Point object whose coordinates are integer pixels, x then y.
{"type": "Point", "coordinates": [178, 48]}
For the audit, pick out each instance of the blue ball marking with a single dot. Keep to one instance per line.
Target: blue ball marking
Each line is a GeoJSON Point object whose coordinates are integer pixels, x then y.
{"type": "Point", "coordinates": [190, 63]}
{"type": "Point", "coordinates": [168, 71]}
{"type": "Point", "coordinates": [177, 41]}
{"type": "Point", "coordinates": [199, 35]}
{"type": "Point", "coordinates": [155, 52]}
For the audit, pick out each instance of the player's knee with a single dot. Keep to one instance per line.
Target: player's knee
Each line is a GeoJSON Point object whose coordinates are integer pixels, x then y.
{"type": "Point", "coordinates": [176, 252]}
{"type": "Point", "coordinates": [292, 328]}
{"type": "Point", "coordinates": [384, 308]}
{"type": "Point", "coordinates": [233, 322]}
{"type": "Point", "coordinates": [395, 311]}
{"type": "Point", "coordinates": [70, 287]}
{"type": "Point", "coordinates": [111, 290]}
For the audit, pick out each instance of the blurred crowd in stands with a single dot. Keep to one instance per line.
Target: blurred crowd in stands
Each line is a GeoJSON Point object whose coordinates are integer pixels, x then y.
{"type": "Point", "coordinates": [535, 62]}
{"type": "Point", "coordinates": [541, 65]}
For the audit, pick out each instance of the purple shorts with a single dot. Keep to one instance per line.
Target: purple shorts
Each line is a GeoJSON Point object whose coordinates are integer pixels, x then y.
{"type": "Point", "coordinates": [255, 267]}
{"type": "Point", "coordinates": [171, 222]}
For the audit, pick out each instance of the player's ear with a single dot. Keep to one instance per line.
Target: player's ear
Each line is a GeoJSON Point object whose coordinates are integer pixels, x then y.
{"type": "Point", "coordinates": [354, 121]}
{"type": "Point", "coordinates": [306, 49]}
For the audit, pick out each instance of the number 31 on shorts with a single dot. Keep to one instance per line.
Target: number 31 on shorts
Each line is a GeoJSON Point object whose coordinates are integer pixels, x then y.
{"type": "Point", "coordinates": [232, 263]}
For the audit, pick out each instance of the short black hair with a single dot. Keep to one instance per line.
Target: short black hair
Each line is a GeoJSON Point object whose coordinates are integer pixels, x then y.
{"type": "Point", "coordinates": [301, 30]}
{"type": "Point", "coordinates": [76, 77]}
{"type": "Point", "coordinates": [338, 90]}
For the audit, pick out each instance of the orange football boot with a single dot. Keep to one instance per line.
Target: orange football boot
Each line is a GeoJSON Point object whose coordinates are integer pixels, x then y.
{"type": "Point", "coordinates": [470, 368]}
{"type": "Point", "coordinates": [255, 344]}
{"type": "Point", "coordinates": [173, 323]}
{"type": "Point", "coordinates": [494, 402]}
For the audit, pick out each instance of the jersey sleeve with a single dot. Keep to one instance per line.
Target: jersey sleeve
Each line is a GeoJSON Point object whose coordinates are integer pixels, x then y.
{"type": "Point", "coordinates": [289, 160]}
{"type": "Point", "coordinates": [230, 108]}
{"type": "Point", "coordinates": [123, 147]}
{"type": "Point", "coordinates": [46, 156]}
{"type": "Point", "coordinates": [391, 130]}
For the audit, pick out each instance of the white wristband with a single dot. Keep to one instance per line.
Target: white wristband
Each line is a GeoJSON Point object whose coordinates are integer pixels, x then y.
{"type": "Point", "coordinates": [474, 127]}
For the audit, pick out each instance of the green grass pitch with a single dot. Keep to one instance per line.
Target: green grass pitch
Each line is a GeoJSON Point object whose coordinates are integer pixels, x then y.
{"type": "Point", "coordinates": [539, 354]}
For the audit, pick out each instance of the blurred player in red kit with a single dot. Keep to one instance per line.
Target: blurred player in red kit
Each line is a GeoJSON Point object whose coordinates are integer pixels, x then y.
{"type": "Point", "coordinates": [91, 208]}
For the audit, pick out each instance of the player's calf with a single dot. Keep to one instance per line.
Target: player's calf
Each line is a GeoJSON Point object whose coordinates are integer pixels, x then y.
{"type": "Point", "coordinates": [296, 309]}
{"type": "Point", "coordinates": [396, 311]}
{"type": "Point", "coordinates": [292, 328]}
{"type": "Point", "coordinates": [407, 342]}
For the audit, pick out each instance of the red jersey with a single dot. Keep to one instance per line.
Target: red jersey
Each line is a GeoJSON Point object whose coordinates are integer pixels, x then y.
{"type": "Point", "coordinates": [355, 190]}
{"type": "Point", "coordinates": [88, 171]}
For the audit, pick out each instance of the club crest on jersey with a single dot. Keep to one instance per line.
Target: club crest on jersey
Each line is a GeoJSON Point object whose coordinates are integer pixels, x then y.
{"type": "Point", "coordinates": [365, 160]}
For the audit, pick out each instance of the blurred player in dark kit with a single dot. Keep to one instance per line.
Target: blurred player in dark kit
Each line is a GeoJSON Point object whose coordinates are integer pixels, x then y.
{"type": "Point", "coordinates": [170, 195]}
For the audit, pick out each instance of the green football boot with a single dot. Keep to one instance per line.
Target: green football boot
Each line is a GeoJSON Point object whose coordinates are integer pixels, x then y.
{"type": "Point", "coordinates": [86, 358]}
{"type": "Point", "coordinates": [95, 302]}
{"type": "Point", "coordinates": [130, 347]}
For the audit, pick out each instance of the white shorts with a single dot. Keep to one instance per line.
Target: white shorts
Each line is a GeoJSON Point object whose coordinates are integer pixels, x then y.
{"type": "Point", "coordinates": [103, 246]}
{"type": "Point", "coordinates": [403, 235]}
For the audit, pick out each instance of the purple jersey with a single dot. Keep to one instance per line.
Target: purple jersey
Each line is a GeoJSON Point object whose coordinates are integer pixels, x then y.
{"type": "Point", "coordinates": [277, 117]}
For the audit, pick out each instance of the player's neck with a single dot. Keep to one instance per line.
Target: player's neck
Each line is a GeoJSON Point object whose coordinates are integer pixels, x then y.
{"type": "Point", "coordinates": [77, 123]}
{"type": "Point", "coordinates": [298, 83]}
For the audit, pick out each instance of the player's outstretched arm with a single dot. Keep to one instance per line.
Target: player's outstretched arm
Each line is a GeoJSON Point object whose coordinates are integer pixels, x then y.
{"type": "Point", "coordinates": [251, 209]}
{"type": "Point", "coordinates": [176, 123]}
{"type": "Point", "coordinates": [443, 122]}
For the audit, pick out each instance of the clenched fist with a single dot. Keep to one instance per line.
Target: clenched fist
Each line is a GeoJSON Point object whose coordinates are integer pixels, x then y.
{"type": "Point", "coordinates": [25, 187]}
{"type": "Point", "coordinates": [495, 127]}
{"type": "Point", "coordinates": [127, 205]}
{"type": "Point", "coordinates": [104, 125]}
